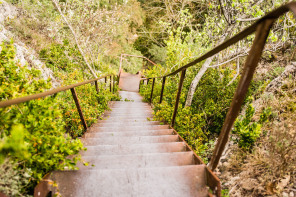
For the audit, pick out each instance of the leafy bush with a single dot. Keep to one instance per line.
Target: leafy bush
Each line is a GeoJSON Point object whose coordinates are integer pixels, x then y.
{"type": "Point", "coordinates": [249, 130]}
{"type": "Point", "coordinates": [44, 128]}
{"type": "Point", "coordinates": [92, 105]}
{"type": "Point", "coordinates": [198, 123]}
{"type": "Point", "coordinates": [14, 144]}
{"type": "Point", "coordinates": [57, 57]}
{"type": "Point", "coordinates": [13, 179]}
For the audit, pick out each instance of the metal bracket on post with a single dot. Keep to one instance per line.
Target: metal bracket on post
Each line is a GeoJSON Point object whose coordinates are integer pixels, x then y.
{"type": "Point", "coordinates": [151, 95]}
{"type": "Point", "coordinates": [79, 108]}
{"type": "Point", "coordinates": [182, 77]}
{"type": "Point", "coordinates": [162, 88]}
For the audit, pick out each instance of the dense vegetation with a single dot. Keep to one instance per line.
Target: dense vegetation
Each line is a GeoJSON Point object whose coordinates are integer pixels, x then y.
{"type": "Point", "coordinates": [37, 136]}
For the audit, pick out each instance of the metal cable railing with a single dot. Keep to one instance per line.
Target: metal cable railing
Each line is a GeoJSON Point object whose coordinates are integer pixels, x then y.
{"type": "Point", "coordinates": [261, 28]}
{"type": "Point", "coordinates": [63, 89]}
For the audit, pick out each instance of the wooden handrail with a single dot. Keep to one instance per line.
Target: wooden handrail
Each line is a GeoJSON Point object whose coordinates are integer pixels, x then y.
{"type": "Point", "coordinates": [61, 89]}
{"type": "Point", "coordinates": [262, 28]}
{"type": "Point", "coordinates": [46, 93]}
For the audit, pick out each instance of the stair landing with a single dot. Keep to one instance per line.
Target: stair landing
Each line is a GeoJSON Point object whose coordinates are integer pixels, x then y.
{"type": "Point", "coordinates": [129, 155]}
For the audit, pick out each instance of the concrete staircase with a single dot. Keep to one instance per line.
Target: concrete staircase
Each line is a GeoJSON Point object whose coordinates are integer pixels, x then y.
{"type": "Point", "coordinates": [129, 155]}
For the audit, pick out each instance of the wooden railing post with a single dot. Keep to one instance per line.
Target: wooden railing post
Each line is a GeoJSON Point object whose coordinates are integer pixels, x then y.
{"type": "Point", "coordinates": [78, 108]}
{"type": "Point", "coordinates": [182, 77]}
{"type": "Point", "coordinates": [111, 83]}
{"type": "Point", "coordinates": [97, 87]}
{"type": "Point", "coordinates": [151, 95]}
{"type": "Point", "coordinates": [162, 88]}
{"type": "Point", "coordinates": [252, 60]}
{"type": "Point", "coordinates": [140, 84]}
{"type": "Point", "coordinates": [147, 81]}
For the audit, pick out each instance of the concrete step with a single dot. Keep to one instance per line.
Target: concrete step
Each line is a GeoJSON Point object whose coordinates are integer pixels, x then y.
{"type": "Point", "coordinates": [134, 148]}
{"type": "Point", "coordinates": [125, 119]}
{"type": "Point", "coordinates": [135, 106]}
{"type": "Point", "coordinates": [126, 108]}
{"type": "Point", "coordinates": [157, 182]}
{"type": "Point", "coordinates": [127, 128]}
{"type": "Point", "coordinates": [130, 106]}
{"type": "Point", "coordinates": [129, 113]}
{"type": "Point", "coordinates": [113, 140]}
{"type": "Point", "coordinates": [126, 123]}
{"type": "Point", "coordinates": [137, 161]}
{"type": "Point", "coordinates": [128, 133]}
{"type": "Point", "coordinates": [106, 115]}
{"type": "Point", "coordinates": [129, 110]}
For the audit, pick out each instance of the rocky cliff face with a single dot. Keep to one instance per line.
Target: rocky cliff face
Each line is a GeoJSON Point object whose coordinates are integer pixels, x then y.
{"type": "Point", "coordinates": [24, 54]}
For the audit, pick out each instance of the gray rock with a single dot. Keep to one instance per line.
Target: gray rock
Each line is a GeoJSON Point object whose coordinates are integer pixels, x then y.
{"type": "Point", "coordinates": [24, 54]}
{"type": "Point", "coordinates": [285, 194]}
{"type": "Point", "coordinates": [7, 11]}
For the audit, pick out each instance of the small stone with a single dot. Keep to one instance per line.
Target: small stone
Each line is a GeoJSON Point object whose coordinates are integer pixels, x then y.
{"type": "Point", "coordinates": [291, 194]}
{"type": "Point", "coordinates": [285, 194]}
{"type": "Point", "coordinates": [250, 184]}
{"type": "Point", "coordinates": [226, 165]}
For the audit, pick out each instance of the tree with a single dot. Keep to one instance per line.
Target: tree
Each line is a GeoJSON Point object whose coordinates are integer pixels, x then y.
{"type": "Point", "coordinates": [75, 37]}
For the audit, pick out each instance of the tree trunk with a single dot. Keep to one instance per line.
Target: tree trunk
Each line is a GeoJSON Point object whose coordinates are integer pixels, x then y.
{"type": "Point", "coordinates": [200, 73]}
{"type": "Point", "coordinates": [196, 80]}
{"type": "Point", "coordinates": [75, 37]}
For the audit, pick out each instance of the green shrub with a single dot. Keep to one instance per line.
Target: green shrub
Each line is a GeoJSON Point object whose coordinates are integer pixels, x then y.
{"type": "Point", "coordinates": [13, 179]}
{"type": "Point", "coordinates": [198, 123]}
{"type": "Point", "coordinates": [59, 57]}
{"type": "Point", "coordinates": [14, 144]}
{"type": "Point", "coordinates": [248, 130]}
{"type": "Point", "coordinates": [65, 61]}
{"type": "Point", "coordinates": [44, 129]}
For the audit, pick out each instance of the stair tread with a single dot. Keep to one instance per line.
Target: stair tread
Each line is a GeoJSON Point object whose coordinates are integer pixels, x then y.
{"type": "Point", "coordinates": [137, 160]}
{"type": "Point", "coordinates": [129, 133]}
{"type": "Point", "coordinates": [129, 140]}
{"type": "Point", "coordinates": [161, 181]}
{"type": "Point", "coordinates": [121, 128]}
{"type": "Point", "coordinates": [134, 148]}
{"type": "Point", "coordinates": [124, 123]}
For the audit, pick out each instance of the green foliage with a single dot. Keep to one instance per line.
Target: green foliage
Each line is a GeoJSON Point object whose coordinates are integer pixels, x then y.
{"type": "Point", "coordinates": [43, 134]}
{"type": "Point", "coordinates": [14, 144]}
{"type": "Point", "coordinates": [57, 56]}
{"type": "Point", "coordinates": [248, 130]}
{"type": "Point", "coordinates": [34, 134]}
{"type": "Point", "coordinates": [225, 193]}
{"type": "Point", "coordinates": [92, 105]}
{"type": "Point", "coordinates": [13, 179]}
{"type": "Point", "coordinates": [198, 123]}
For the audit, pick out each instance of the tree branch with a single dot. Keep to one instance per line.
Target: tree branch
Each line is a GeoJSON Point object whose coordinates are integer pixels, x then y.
{"type": "Point", "coordinates": [75, 37]}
